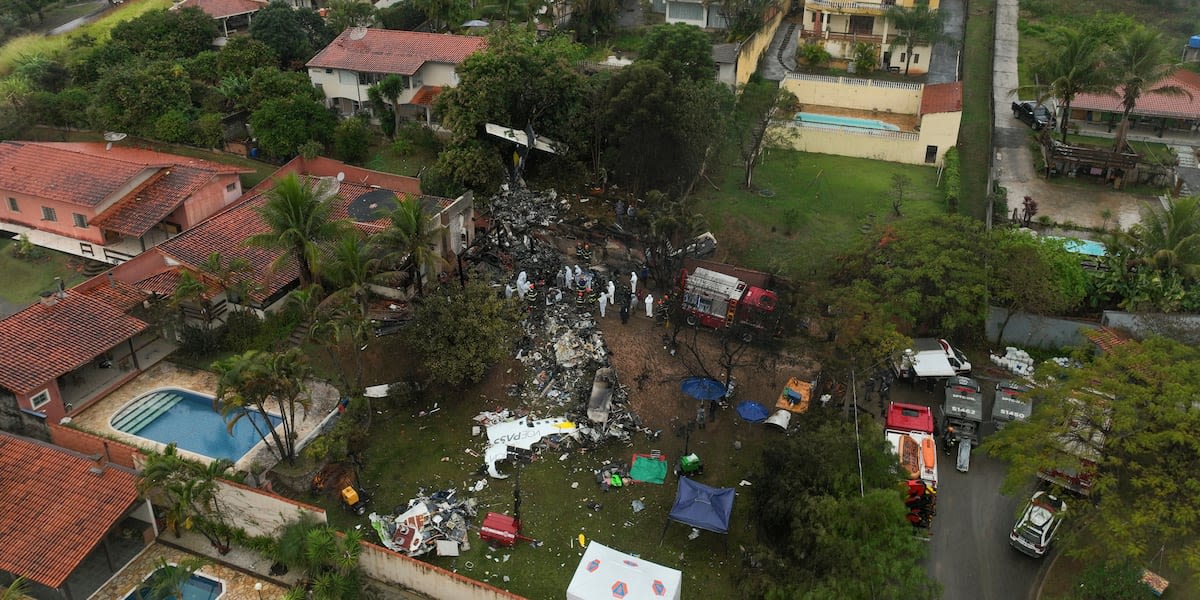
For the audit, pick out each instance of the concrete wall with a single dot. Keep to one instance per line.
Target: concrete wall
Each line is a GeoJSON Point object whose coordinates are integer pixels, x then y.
{"type": "Point", "coordinates": [260, 512]}
{"type": "Point", "coordinates": [21, 422]}
{"type": "Point", "coordinates": [1180, 327]}
{"type": "Point", "coordinates": [876, 145]}
{"type": "Point", "coordinates": [392, 567]}
{"type": "Point", "coordinates": [91, 444]}
{"type": "Point", "coordinates": [207, 200]}
{"type": "Point", "coordinates": [940, 130]}
{"type": "Point", "coordinates": [854, 93]}
{"type": "Point", "coordinates": [752, 49]}
{"type": "Point", "coordinates": [29, 214]}
{"type": "Point", "coordinates": [1035, 330]}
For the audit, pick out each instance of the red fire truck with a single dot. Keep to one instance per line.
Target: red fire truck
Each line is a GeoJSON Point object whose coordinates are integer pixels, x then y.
{"type": "Point", "coordinates": [716, 300]}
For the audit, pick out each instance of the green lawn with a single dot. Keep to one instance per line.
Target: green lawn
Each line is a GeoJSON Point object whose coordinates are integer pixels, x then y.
{"type": "Point", "coordinates": [975, 133]}
{"type": "Point", "coordinates": [829, 199]}
{"type": "Point", "coordinates": [24, 280]}
{"type": "Point", "coordinates": [408, 452]}
{"type": "Point", "coordinates": [381, 158]}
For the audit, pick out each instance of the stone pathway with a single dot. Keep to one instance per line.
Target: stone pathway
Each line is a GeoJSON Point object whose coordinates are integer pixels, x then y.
{"type": "Point", "coordinates": [943, 65]}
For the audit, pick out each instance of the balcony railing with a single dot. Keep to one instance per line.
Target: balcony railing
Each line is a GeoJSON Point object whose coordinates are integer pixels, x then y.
{"type": "Point", "coordinates": [842, 37]}
{"type": "Point", "coordinates": [846, 6]}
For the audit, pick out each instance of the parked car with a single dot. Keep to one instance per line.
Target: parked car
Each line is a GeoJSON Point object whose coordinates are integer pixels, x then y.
{"type": "Point", "coordinates": [1037, 116]}
{"type": "Point", "coordinates": [1041, 519]}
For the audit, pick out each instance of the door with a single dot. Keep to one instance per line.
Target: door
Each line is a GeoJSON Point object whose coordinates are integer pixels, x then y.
{"type": "Point", "coordinates": [930, 154]}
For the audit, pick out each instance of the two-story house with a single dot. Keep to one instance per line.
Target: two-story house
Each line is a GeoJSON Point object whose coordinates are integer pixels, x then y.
{"type": "Point", "coordinates": [841, 24]}
{"type": "Point", "coordinates": [360, 58]}
{"type": "Point", "coordinates": [107, 203]}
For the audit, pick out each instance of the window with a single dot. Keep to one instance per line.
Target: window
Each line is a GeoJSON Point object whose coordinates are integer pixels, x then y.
{"type": "Point", "coordinates": [370, 78]}
{"type": "Point", "coordinates": [40, 399]}
{"type": "Point", "coordinates": [930, 157]}
{"type": "Point", "coordinates": [686, 11]}
{"type": "Point", "coordinates": [862, 25]}
{"type": "Point", "coordinates": [916, 59]}
{"type": "Point", "coordinates": [12, 205]}
{"type": "Point", "coordinates": [231, 187]}
{"type": "Point", "coordinates": [902, 57]}
{"type": "Point", "coordinates": [48, 214]}
{"type": "Point", "coordinates": [80, 220]}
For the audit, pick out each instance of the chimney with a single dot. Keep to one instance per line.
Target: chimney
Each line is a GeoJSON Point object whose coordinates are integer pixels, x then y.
{"type": "Point", "coordinates": [112, 281]}
{"type": "Point", "coordinates": [97, 469]}
{"type": "Point", "coordinates": [62, 292]}
{"type": "Point", "coordinates": [48, 298]}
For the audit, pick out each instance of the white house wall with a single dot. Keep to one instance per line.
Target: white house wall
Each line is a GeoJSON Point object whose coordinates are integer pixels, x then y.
{"type": "Point", "coordinates": [340, 83]}
{"type": "Point", "coordinates": [692, 13]}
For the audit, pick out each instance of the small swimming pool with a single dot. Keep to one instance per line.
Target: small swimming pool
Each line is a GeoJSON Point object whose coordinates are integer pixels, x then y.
{"type": "Point", "coordinates": [838, 122]}
{"type": "Point", "coordinates": [1085, 247]}
{"type": "Point", "coordinates": [188, 419]}
{"type": "Point", "coordinates": [197, 587]}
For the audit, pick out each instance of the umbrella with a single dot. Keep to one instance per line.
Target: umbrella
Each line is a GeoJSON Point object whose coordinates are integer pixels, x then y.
{"type": "Point", "coordinates": [752, 412]}
{"type": "Point", "coordinates": [703, 388]}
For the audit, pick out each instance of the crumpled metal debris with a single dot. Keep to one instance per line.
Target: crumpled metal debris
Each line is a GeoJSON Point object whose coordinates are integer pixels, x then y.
{"type": "Point", "coordinates": [427, 519]}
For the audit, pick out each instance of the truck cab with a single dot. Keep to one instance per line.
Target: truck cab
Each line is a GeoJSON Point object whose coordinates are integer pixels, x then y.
{"type": "Point", "coordinates": [962, 414]}
{"type": "Point", "coordinates": [931, 359]}
{"type": "Point", "coordinates": [1012, 403]}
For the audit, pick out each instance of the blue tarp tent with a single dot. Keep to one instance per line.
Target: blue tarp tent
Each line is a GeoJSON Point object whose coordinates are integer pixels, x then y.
{"type": "Point", "coordinates": [703, 388]}
{"type": "Point", "coordinates": [700, 506]}
{"type": "Point", "coordinates": [752, 411]}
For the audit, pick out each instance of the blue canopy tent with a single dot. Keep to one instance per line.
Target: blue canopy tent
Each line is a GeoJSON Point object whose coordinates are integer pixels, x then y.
{"type": "Point", "coordinates": [752, 412]}
{"type": "Point", "coordinates": [703, 388]}
{"type": "Point", "coordinates": [703, 507]}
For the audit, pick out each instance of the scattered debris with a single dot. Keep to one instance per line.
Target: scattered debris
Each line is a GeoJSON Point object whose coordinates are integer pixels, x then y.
{"type": "Point", "coordinates": [638, 506]}
{"type": "Point", "coordinates": [427, 520]}
{"type": "Point", "coordinates": [1015, 360]}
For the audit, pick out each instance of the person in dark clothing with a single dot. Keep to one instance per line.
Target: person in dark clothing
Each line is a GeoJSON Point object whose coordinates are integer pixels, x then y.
{"type": "Point", "coordinates": [625, 313]}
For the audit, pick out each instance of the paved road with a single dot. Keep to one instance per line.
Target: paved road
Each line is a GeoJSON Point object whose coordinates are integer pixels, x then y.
{"type": "Point", "coordinates": [969, 553]}
{"type": "Point", "coordinates": [943, 65]}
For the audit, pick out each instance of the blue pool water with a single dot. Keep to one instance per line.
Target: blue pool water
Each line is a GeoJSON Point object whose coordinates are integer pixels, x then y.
{"type": "Point", "coordinates": [198, 587]}
{"type": "Point", "coordinates": [818, 119]}
{"type": "Point", "coordinates": [1085, 247]}
{"type": "Point", "coordinates": [189, 420]}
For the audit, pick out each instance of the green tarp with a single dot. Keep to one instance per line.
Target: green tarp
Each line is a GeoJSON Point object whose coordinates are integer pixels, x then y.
{"type": "Point", "coordinates": [649, 470]}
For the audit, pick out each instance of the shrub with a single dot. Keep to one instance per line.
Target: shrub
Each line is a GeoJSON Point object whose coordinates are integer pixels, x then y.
{"type": "Point", "coordinates": [951, 182]}
{"type": "Point", "coordinates": [198, 342]}
{"type": "Point", "coordinates": [208, 133]}
{"type": "Point", "coordinates": [865, 57]}
{"type": "Point", "coordinates": [814, 54]}
{"type": "Point", "coordinates": [351, 139]}
{"type": "Point", "coordinates": [174, 126]}
{"type": "Point", "coordinates": [421, 137]}
{"type": "Point", "coordinates": [242, 330]}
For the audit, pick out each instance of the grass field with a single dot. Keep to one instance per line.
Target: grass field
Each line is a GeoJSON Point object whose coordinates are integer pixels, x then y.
{"type": "Point", "coordinates": [383, 159]}
{"type": "Point", "coordinates": [37, 43]}
{"type": "Point", "coordinates": [975, 132]}
{"type": "Point", "coordinates": [24, 280]}
{"type": "Point", "coordinates": [827, 199]}
{"type": "Point", "coordinates": [408, 452]}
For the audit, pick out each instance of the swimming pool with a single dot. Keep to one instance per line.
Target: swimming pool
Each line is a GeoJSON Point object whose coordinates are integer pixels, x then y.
{"type": "Point", "coordinates": [1085, 247]}
{"type": "Point", "coordinates": [838, 122]}
{"type": "Point", "coordinates": [188, 419]}
{"type": "Point", "coordinates": [197, 587]}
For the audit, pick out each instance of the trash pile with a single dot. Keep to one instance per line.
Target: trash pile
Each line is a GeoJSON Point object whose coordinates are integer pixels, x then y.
{"type": "Point", "coordinates": [427, 520]}
{"type": "Point", "coordinates": [511, 245]}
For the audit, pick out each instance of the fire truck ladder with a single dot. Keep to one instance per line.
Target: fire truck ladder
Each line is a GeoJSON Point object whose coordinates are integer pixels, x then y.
{"type": "Point", "coordinates": [731, 309]}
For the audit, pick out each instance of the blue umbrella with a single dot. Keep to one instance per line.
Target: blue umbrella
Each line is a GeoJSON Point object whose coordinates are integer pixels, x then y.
{"type": "Point", "coordinates": [703, 388]}
{"type": "Point", "coordinates": [752, 412]}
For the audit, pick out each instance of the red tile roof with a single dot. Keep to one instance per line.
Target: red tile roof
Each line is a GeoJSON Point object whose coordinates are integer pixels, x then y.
{"type": "Point", "coordinates": [44, 171]}
{"type": "Point", "coordinates": [1106, 339]}
{"type": "Point", "coordinates": [42, 342]}
{"type": "Point", "coordinates": [56, 509]}
{"type": "Point", "coordinates": [1150, 104]}
{"type": "Point", "coordinates": [218, 9]}
{"type": "Point", "coordinates": [138, 213]}
{"type": "Point", "coordinates": [166, 282]}
{"type": "Point", "coordinates": [143, 156]}
{"type": "Point", "coordinates": [394, 52]}
{"type": "Point", "coordinates": [426, 95]}
{"type": "Point", "coordinates": [942, 98]}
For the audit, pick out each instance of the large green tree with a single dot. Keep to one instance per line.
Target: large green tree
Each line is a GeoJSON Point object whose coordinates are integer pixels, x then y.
{"type": "Point", "coordinates": [297, 214]}
{"type": "Point", "coordinates": [517, 81]}
{"type": "Point", "coordinates": [683, 51]}
{"type": "Point", "coordinates": [188, 490]}
{"type": "Point", "coordinates": [460, 332]}
{"type": "Point", "coordinates": [1168, 239]}
{"type": "Point", "coordinates": [295, 34]}
{"type": "Point", "coordinates": [757, 106]}
{"type": "Point", "coordinates": [830, 528]}
{"type": "Point", "coordinates": [1140, 62]}
{"type": "Point", "coordinates": [926, 274]}
{"type": "Point", "coordinates": [915, 25]}
{"type": "Point", "coordinates": [593, 20]}
{"type": "Point", "coordinates": [166, 34]}
{"type": "Point", "coordinates": [132, 97]}
{"type": "Point", "coordinates": [283, 125]}
{"type": "Point", "coordinates": [1034, 275]}
{"type": "Point", "coordinates": [344, 14]}
{"type": "Point", "coordinates": [1134, 411]}
{"type": "Point", "coordinates": [408, 243]}
{"type": "Point", "coordinates": [1076, 67]}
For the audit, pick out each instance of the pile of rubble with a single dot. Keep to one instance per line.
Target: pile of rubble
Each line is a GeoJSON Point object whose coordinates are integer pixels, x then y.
{"type": "Point", "coordinates": [434, 521]}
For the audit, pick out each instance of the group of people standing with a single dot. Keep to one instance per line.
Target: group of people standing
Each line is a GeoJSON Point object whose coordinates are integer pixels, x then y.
{"type": "Point", "coordinates": [588, 286]}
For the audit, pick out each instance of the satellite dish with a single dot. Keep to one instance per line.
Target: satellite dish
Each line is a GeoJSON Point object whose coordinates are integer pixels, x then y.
{"type": "Point", "coordinates": [358, 33]}
{"type": "Point", "coordinates": [114, 136]}
{"type": "Point", "coordinates": [341, 176]}
{"type": "Point", "coordinates": [325, 188]}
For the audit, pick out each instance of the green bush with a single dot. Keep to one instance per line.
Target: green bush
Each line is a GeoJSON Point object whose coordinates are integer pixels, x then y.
{"type": "Point", "coordinates": [951, 180]}
{"type": "Point", "coordinates": [242, 330]}
{"type": "Point", "coordinates": [420, 136]}
{"type": "Point", "coordinates": [198, 342]}
{"type": "Point", "coordinates": [174, 126]}
{"type": "Point", "coordinates": [351, 139]}
{"type": "Point", "coordinates": [207, 132]}
{"type": "Point", "coordinates": [814, 54]}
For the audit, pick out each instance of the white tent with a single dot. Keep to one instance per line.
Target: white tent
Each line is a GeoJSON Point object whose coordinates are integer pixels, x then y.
{"type": "Point", "coordinates": [604, 573]}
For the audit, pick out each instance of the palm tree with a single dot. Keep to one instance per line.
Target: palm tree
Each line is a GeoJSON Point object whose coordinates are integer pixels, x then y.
{"type": "Point", "coordinates": [916, 25]}
{"type": "Point", "coordinates": [1076, 67]}
{"type": "Point", "coordinates": [297, 214]}
{"type": "Point", "coordinates": [168, 579]}
{"type": "Point", "coordinates": [248, 380]}
{"type": "Point", "coordinates": [189, 489]}
{"type": "Point", "coordinates": [1169, 239]}
{"type": "Point", "coordinates": [407, 244]}
{"type": "Point", "coordinates": [388, 91]}
{"type": "Point", "coordinates": [349, 270]}
{"type": "Point", "coordinates": [16, 590]}
{"type": "Point", "coordinates": [1140, 63]}
{"type": "Point", "coordinates": [328, 560]}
